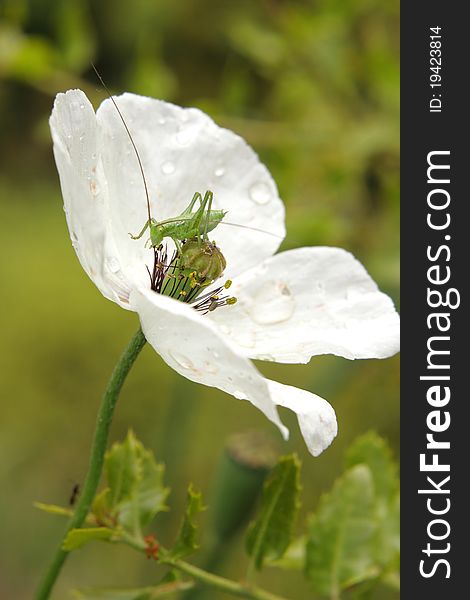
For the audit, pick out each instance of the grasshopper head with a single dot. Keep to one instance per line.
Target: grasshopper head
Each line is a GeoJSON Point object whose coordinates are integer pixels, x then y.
{"type": "Point", "coordinates": [156, 234]}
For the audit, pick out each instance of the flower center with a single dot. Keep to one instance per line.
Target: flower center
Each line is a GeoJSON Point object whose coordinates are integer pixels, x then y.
{"type": "Point", "coordinates": [189, 272]}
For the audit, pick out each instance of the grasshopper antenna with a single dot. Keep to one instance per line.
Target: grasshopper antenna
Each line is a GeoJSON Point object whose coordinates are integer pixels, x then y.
{"type": "Point", "coordinates": [252, 228]}
{"type": "Point", "coordinates": [130, 137]}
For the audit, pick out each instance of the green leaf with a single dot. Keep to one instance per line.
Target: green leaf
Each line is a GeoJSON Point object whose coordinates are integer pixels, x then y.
{"type": "Point", "coordinates": [186, 542]}
{"type": "Point", "coordinates": [147, 593]}
{"type": "Point", "coordinates": [293, 558]}
{"type": "Point", "coordinates": [372, 450]}
{"type": "Point", "coordinates": [100, 508]}
{"type": "Point", "coordinates": [270, 534]}
{"type": "Point", "coordinates": [341, 535]}
{"type": "Point", "coordinates": [79, 537]}
{"type": "Point", "coordinates": [53, 509]}
{"type": "Point", "coordinates": [122, 469]}
{"type": "Point", "coordinates": [136, 491]}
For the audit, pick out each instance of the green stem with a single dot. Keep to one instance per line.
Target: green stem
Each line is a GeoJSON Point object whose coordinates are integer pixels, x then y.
{"type": "Point", "coordinates": [221, 583]}
{"type": "Point", "coordinates": [103, 424]}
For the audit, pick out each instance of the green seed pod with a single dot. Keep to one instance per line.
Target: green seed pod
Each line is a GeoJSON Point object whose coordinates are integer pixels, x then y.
{"type": "Point", "coordinates": [203, 258]}
{"type": "Point", "coordinates": [243, 468]}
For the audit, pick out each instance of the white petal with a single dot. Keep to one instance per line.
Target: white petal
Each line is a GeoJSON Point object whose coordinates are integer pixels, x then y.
{"type": "Point", "coordinates": [74, 132]}
{"type": "Point", "coordinates": [317, 419]}
{"type": "Point", "coordinates": [189, 343]}
{"type": "Point", "coordinates": [183, 151]}
{"type": "Point", "coordinates": [306, 302]}
{"type": "Point", "coordinates": [192, 346]}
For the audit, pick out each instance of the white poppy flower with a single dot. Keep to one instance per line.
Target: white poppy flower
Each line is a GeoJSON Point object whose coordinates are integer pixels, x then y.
{"type": "Point", "coordinates": [290, 307]}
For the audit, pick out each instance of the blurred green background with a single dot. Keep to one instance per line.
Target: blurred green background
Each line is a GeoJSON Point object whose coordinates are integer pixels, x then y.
{"type": "Point", "coordinates": [313, 87]}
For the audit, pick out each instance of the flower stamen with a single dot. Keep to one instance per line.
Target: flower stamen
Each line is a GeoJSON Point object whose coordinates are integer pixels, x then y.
{"type": "Point", "coordinates": [169, 277]}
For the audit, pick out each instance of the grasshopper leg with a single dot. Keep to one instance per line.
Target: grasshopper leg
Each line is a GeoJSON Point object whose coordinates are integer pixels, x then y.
{"type": "Point", "coordinates": [144, 228]}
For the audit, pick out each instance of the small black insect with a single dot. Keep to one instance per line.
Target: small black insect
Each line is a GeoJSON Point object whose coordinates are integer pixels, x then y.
{"type": "Point", "coordinates": [74, 494]}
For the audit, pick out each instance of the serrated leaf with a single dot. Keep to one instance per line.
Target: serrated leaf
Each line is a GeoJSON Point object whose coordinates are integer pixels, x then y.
{"type": "Point", "coordinates": [341, 535]}
{"type": "Point", "coordinates": [136, 491]}
{"type": "Point", "coordinates": [271, 533]}
{"type": "Point", "coordinates": [122, 470]}
{"type": "Point", "coordinates": [186, 542]}
{"type": "Point", "coordinates": [147, 593]}
{"type": "Point", "coordinates": [373, 451]}
{"type": "Point", "coordinates": [79, 537]}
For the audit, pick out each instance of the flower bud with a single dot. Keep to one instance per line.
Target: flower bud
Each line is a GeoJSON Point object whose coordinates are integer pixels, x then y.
{"type": "Point", "coordinates": [203, 258]}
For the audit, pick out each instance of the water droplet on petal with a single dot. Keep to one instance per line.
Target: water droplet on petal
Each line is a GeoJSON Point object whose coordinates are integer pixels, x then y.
{"type": "Point", "coordinates": [168, 167]}
{"type": "Point", "coordinates": [210, 367]}
{"type": "Point", "coordinates": [239, 395]}
{"type": "Point", "coordinates": [113, 264]}
{"type": "Point", "coordinates": [273, 303]}
{"type": "Point", "coordinates": [162, 121]}
{"type": "Point", "coordinates": [82, 106]}
{"type": "Point", "coordinates": [219, 172]}
{"type": "Point", "coordinates": [260, 193]}
{"type": "Point", "coordinates": [184, 137]}
{"type": "Point", "coordinates": [246, 339]}
{"type": "Point", "coordinates": [182, 360]}
{"type": "Point", "coordinates": [215, 354]}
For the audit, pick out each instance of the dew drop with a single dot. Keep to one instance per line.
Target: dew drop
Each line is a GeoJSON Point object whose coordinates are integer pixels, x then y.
{"type": "Point", "coordinates": [215, 354]}
{"type": "Point", "coordinates": [272, 304]}
{"type": "Point", "coordinates": [168, 167]}
{"type": "Point", "coordinates": [260, 193]}
{"type": "Point", "coordinates": [182, 360]}
{"type": "Point", "coordinates": [210, 368]}
{"type": "Point", "coordinates": [184, 137]}
{"type": "Point", "coordinates": [239, 395]}
{"type": "Point", "coordinates": [162, 121]}
{"type": "Point", "coordinates": [219, 172]}
{"type": "Point", "coordinates": [246, 339]}
{"type": "Point", "coordinates": [113, 264]}
{"type": "Point", "coordinates": [82, 106]}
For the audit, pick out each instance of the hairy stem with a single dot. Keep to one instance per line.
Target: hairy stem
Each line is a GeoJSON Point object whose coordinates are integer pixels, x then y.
{"type": "Point", "coordinates": [103, 424]}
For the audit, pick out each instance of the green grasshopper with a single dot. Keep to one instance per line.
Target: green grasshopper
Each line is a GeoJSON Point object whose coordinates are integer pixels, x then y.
{"type": "Point", "coordinates": [188, 224]}
{"type": "Point", "coordinates": [185, 226]}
